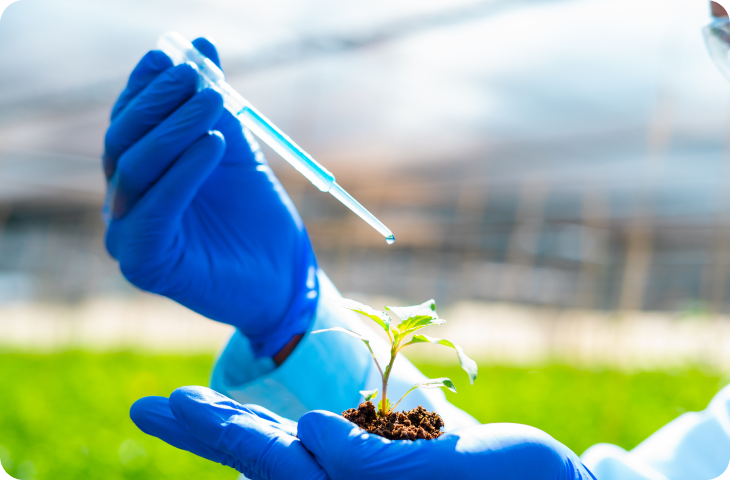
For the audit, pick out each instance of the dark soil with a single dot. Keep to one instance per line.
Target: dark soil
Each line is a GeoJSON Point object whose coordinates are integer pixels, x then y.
{"type": "Point", "coordinates": [419, 423]}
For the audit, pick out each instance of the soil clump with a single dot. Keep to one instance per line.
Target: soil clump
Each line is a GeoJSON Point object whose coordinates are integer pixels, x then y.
{"type": "Point", "coordinates": [416, 424]}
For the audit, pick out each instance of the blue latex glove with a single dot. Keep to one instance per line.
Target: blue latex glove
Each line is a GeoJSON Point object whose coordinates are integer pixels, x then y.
{"type": "Point", "coordinates": [262, 445]}
{"type": "Point", "coordinates": [195, 214]}
{"type": "Point", "coordinates": [254, 441]}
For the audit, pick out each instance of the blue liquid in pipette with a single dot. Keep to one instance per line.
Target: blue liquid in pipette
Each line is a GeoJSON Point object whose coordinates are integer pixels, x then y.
{"type": "Point", "coordinates": [307, 166]}
{"type": "Point", "coordinates": [283, 145]}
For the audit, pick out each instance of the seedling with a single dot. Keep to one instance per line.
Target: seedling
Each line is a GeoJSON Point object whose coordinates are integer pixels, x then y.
{"type": "Point", "coordinates": [412, 319]}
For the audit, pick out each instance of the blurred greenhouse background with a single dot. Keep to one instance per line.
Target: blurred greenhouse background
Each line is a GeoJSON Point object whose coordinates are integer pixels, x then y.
{"type": "Point", "coordinates": [554, 154]}
{"type": "Point", "coordinates": [556, 174]}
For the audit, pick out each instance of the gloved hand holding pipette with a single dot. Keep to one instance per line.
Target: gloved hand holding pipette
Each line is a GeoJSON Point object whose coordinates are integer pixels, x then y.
{"type": "Point", "coordinates": [194, 212]}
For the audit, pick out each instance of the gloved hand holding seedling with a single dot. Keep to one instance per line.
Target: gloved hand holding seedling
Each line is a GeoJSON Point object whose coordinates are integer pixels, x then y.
{"type": "Point", "coordinates": [385, 421]}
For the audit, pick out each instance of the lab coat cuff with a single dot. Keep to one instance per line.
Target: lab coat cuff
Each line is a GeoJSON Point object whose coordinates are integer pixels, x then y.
{"type": "Point", "coordinates": [325, 370]}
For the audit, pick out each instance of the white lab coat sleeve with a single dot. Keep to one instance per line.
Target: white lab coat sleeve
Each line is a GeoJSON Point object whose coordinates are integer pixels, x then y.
{"type": "Point", "coordinates": [694, 446]}
{"type": "Point", "coordinates": [325, 371]}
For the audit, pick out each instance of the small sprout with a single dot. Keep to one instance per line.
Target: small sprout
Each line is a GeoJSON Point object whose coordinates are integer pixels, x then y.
{"type": "Point", "coordinates": [369, 394]}
{"type": "Point", "coordinates": [412, 319]}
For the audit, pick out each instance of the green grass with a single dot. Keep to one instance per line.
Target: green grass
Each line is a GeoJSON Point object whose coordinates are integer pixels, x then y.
{"type": "Point", "coordinates": [65, 416]}
{"type": "Point", "coordinates": [581, 407]}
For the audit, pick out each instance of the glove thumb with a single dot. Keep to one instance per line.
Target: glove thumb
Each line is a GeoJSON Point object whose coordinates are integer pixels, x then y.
{"type": "Point", "coordinates": [346, 451]}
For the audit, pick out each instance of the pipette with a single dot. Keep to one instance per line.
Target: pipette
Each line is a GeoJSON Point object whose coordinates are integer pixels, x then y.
{"type": "Point", "coordinates": [210, 76]}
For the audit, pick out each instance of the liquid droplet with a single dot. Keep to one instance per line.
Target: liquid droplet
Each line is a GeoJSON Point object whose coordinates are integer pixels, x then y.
{"type": "Point", "coordinates": [390, 239]}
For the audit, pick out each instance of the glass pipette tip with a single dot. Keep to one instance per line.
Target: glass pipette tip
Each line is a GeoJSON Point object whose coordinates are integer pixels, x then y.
{"type": "Point", "coordinates": [210, 76]}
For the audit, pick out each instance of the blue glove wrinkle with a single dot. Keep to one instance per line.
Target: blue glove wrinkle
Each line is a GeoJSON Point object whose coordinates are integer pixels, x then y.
{"type": "Point", "coordinates": [152, 64]}
{"type": "Point", "coordinates": [157, 101]}
{"type": "Point", "coordinates": [177, 189]}
{"type": "Point", "coordinates": [172, 194]}
{"type": "Point", "coordinates": [147, 160]}
{"type": "Point", "coordinates": [286, 425]}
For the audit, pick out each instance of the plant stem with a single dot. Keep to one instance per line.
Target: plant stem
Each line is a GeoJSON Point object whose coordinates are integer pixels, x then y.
{"type": "Point", "coordinates": [388, 369]}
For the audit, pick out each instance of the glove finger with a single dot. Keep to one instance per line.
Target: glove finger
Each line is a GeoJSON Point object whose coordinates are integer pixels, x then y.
{"type": "Point", "coordinates": [145, 162]}
{"type": "Point", "coordinates": [255, 443]}
{"type": "Point", "coordinates": [172, 194]}
{"type": "Point", "coordinates": [207, 48]}
{"type": "Point", "coordinates": [242, 147]}
{"type": "Point", "coordinates": [152, 415]}
{"type": "Point", "coordinates": [152, 64]}
{"type": "Point", "coordinates": [157, 101]}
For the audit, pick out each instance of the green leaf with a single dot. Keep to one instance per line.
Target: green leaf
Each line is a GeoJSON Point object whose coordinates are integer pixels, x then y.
{"type": "Point", "coordinates": [426, 309]}
{"type": "Point", "coordinates": [467, 364]}
{"type": "Point", "coordinates": [437, 383]}
{"type": "Point", "coordinates": [416, 317]}
{"type": "Point", "coordinates": [416, 323]}
{"type": "Point", "coordinates": [381, 318]}
{"type": "Point", "coordinates": [369, 394]}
